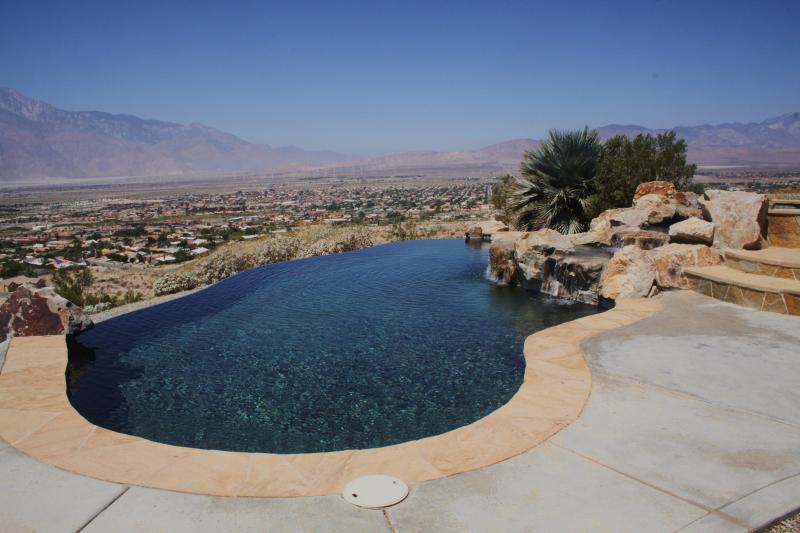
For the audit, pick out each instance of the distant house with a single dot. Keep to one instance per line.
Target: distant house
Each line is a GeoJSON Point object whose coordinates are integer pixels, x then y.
{"type": "Point", "coordinates": [163, 259]}
{"type": "Point", "coordinates": [199, 250]}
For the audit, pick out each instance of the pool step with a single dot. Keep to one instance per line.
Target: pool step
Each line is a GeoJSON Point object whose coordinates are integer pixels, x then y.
{"type": "Point", "coordinates": [756, 291]}
{"type": "Point", "coordinates": [774, 261]}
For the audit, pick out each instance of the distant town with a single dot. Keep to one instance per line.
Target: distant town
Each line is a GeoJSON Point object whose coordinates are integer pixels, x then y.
{"type": "Point", "coordinates": [130, 234]}
{"type": "Point", "coordinates": [116, 231]}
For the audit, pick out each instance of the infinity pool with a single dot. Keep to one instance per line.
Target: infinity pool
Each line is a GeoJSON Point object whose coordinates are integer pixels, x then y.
{"type": "Point", "coordinates": [356, 350]}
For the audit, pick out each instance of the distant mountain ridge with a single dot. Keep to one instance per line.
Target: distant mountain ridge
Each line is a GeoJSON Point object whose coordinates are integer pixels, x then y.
{"type": "Point", "coordinates": [40, 141]}
{"type": "Point", "coordinates": [775, 140]}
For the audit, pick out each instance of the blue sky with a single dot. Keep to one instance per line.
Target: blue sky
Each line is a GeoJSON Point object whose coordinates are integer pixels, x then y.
{"type": "Point", "coordinates": [376, 77]}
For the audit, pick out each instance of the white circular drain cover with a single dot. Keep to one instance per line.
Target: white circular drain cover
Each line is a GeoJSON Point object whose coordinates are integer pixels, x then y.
{"type": "Point", "coordinates": [374, 492]}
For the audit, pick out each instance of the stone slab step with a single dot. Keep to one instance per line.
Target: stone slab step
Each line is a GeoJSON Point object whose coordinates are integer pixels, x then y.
{"type": "Point", "coordinates": [764, 293]}
{"type": "Point", "coordinates": [757, 282]}
{"type": "Point", "coordinates": [784, 207]}
{"type": "Point", "coordinates": [785, 201]}
{"type": "Point", "coordinates": [774, 261]}
{"type": "Point", "coordinates": [776, 211]}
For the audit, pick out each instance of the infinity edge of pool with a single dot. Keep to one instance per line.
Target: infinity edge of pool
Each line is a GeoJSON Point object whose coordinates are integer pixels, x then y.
{"type": "Point", "coordinates": [37, 419]}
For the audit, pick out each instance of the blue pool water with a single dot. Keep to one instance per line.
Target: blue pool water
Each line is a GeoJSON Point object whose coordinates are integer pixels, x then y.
{"type": "Point", "coordinates": [356, 350]}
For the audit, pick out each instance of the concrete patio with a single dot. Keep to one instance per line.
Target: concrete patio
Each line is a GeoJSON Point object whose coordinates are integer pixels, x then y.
{"type": "Point", "coordinates": [693, 424]}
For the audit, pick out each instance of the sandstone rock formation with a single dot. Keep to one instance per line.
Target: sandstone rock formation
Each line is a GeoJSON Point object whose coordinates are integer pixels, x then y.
{"type": "Point", "coordinates": [641, 238]}
{"type": "Point", "coordinates": [688, 205]}
{"type": "Point", "coordinates": [656, 208]}
{"type": "Point", "coordinates": [692, 230]}
{"type": "Point", "coordinates": [661, 188]}
{"type": "Point", "coordinates": [543, 241]}
{"type": "Point", "coordinates": [649, 258]}
{"type": "Point", "coordinates": [40, 311]}
{"type": "Point", "coordinates": [670, 260]}
{"type": "Point", "coordinates": [475, 233]}
{"type": "Point", "coordinates": [740, 218]}
{"type": "Point", "coordinates": [487, 227]}
{"type": "Point", "coordinates": [629, 274]}
{"type": "Point", "coordinates": [552, 263]}
{"type": "Point", "coordinates": [501, 262]}
{"type": "Point", "coordinates": [634, 273]}
{"type": "Point", "coordinates": [603, 227]}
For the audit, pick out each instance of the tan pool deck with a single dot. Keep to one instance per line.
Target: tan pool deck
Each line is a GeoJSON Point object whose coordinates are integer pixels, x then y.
{"type": "Point", "coordinates": [692, 424]}
{"type": "Point", "coordinates": [37, 419]}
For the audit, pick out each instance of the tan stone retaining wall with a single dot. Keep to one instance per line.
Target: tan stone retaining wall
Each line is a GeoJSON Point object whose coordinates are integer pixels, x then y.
{"type": "Point", "coordinates": [760, 300]}
{"type": "Point", "coordinates": [37, 419]}
{"type": "Point", "coordinates": [784, 229]}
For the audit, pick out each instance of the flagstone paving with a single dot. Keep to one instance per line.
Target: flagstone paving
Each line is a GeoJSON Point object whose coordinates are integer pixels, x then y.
{"type": "Point", "coordinates": [693, 424]}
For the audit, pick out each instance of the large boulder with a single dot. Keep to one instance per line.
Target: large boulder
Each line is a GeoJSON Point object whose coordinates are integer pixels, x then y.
{"type": "Point", "coordinates": [688, 205]}
{"type": "Point", "coordinates": [660, 188]}
{"type": "Point", "coordinates": [493, 226]}
{"type": "Point", "coordinates": [641, 238]}
{"type": "Point", "coordinates": [475, 233]}
{"type": "Point", "coordinates": [669, 262]}
{"type": "Point", "coordinates": [692, 230]}
{"type": "Point", "coordinates": [501, 262]}
{"type": "Point", "coordinates": [32, 311]}
{"type": "Point", "coordinates": [552, 263]}
{"type": "Point", "coordinates": [611, 221]}
{"type": "Point", "coordinates": [687, 202]}
{"type": "Point", "coordinates": [740, 218]}
{"type": "Point", "coordinates": [636, 273]}
{"type": "Point", "coordinates": [543, 241]}
{"type": "Point", "coordinates": [629, 274]}
{"type": "Point", "coordinates": [656, 208]}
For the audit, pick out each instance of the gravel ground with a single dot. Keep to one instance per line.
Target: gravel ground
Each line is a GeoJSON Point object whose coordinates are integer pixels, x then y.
{"type": "Point", "coordinates": [790, 524]}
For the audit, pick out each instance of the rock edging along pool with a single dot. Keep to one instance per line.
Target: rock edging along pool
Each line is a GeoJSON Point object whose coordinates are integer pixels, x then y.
{"type": "Point", "coordinates": [350, 351]}
{"type": "Point", "coordinates": [37, 419]}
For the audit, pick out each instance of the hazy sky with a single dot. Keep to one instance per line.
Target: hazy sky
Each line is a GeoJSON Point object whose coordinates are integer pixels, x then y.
{"type": "Point", "coordinates": [379, 76]}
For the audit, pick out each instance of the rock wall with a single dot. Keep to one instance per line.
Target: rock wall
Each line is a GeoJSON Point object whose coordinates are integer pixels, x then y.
{"type": "Point", "coordinates": [32, 311]}
{"type": "Point", "coordinates": [635, 251]}
{"type": "Point", "coordinates": [784, 230]}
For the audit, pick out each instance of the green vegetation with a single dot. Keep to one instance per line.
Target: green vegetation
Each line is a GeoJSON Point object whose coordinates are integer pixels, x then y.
{"type": "Point", "coordinates": [10, 268]}
{"type": "Point", "coordinates": [572, 178]}
{"type": "Point", "coordinates": [404, 231]}
{"type": "Point", "coordinates": [625, 163]}
{"type": "Point", "coordinates": [72, 286]}
{"type": "Point", "coordinates": [558, 180]}
{"type": "Point", "coordinates": [501, 197]}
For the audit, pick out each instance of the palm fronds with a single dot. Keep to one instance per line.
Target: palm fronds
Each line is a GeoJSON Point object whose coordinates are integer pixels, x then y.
{"type": "Point", "coordinates": [557, 182]}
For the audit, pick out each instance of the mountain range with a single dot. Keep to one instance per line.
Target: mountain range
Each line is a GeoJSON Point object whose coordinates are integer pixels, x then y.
{"type": "Point", "coordinates": [39, 141]}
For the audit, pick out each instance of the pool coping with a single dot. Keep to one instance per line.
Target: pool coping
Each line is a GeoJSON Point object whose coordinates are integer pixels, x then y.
{"type": "Point", "coordinates": [37, 419]}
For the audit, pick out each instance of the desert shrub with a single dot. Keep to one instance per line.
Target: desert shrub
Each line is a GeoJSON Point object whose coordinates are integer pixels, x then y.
{"type": "Point", "coordinates": [354, 239]}
{"type": "Point", "coordinates": [276, 249]}
{"type": "Point", "coordinates": [173, 282]}
{"type": "Point", "coordinates": [72, 286]}
{"type": "Point", "coordinates": [404, 231]}
{"type": "Point", "coordinates": [320, 247]}
{"type": "Point", "coordinates": [132, 296]}
{"type": "Point", "coordinates": [221, 265]}
{"type": "Point", "coordinates": [101, 297]}
{"type": "Point", "coordinates": [225, 263]}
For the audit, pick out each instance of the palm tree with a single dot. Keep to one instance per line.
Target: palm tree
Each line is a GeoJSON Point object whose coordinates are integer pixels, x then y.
{"type": "Point", "coordinates": [557, 182]}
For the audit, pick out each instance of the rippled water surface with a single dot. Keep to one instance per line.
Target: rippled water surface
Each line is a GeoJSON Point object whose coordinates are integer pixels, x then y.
{"type": "Point", "coordinates": [356, 350]}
